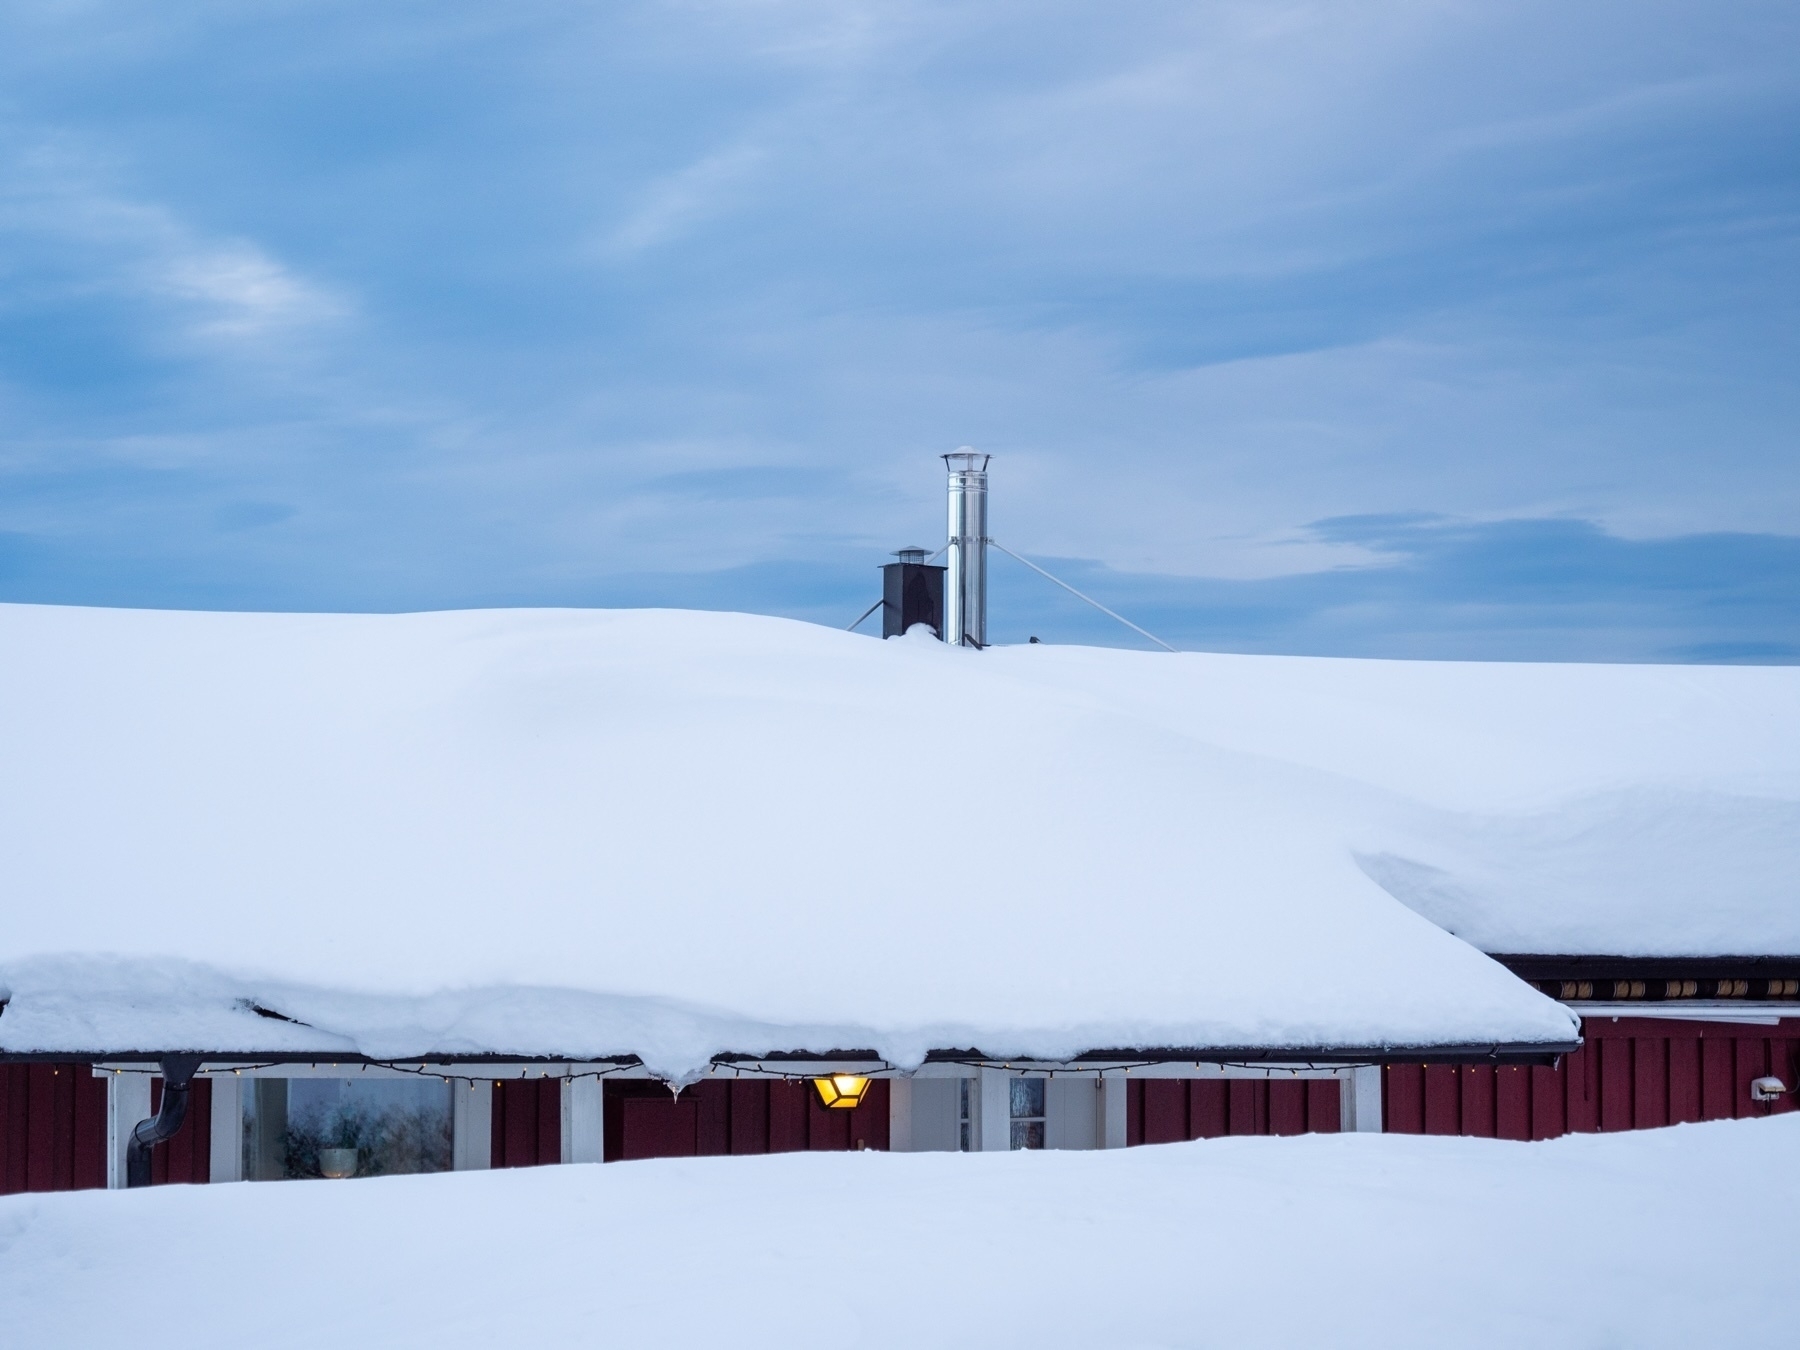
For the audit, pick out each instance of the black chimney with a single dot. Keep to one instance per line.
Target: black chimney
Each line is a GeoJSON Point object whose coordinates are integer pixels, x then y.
{"type": "Point", "coordinates": [912, 591]}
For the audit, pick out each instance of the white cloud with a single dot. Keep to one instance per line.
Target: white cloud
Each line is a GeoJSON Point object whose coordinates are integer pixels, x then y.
{"type": "Point", "coordinates": [104, 241]}
{"type": "Point", "coordinates": [679, 202]}
{"type": "Point", "coordinates": [237, 290]}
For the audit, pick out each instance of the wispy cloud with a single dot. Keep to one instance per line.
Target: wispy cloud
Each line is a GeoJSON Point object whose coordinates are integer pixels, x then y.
{"type": "Point", "coordinates": [681, 201]}
{"type": "Point", "coordinates": [88, 238]}
{"type": "Point", "coordinates": [238, 290]}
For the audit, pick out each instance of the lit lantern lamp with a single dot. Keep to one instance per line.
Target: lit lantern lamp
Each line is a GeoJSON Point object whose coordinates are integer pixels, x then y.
{"type": "Point", "coordinates": [841, 1091]}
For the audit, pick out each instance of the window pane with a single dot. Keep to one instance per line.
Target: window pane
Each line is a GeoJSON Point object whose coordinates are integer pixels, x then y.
{"type": "Point", "coordinates": [389, 1125]}
{"type": "Point", "coordinates": [1028, 1134]}
{"type": "Point", "coordinates": [1027, 1098]}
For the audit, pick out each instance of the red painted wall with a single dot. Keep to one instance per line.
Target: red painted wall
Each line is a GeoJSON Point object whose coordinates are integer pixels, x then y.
{"type": "Point", "coordinates": [643, 1120]}
{"type": "Point", "coordinates": [52, 1128]}
{"type": "Point", "coordinates": [1633, 1073]}
{"type": "Point", "coordinates": [527, 1122]}
{"type": "Point", "coordinates": [1170, 1110]}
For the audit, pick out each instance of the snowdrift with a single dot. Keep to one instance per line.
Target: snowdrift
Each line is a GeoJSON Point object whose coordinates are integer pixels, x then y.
{"type": "Point", "coordinates": [1383, 1241]}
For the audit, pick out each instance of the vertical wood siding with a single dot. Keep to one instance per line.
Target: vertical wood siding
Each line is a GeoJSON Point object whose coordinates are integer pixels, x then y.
{"type": "Point", "coordinates": [1632, 1074]}
{"type": "Point", "coordinates": [52, 1128]}
{"type": "Point", "coordinates": [1171, 1110]}
{"type": "Point", "coordinates": [644, 1120]}
{"type": "Point", "coordinates": [527, 1122]}
{"type": "Point", "coordinates": [187, 1157]}
{"type": "Point", "coordinates": [1635, 1073]}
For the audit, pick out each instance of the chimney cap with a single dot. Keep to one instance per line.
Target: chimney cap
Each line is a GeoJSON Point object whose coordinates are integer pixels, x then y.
{"type": "Point", "coordinates": [911, 555]}
{"type": "Point", "coordinates": [964, 460]}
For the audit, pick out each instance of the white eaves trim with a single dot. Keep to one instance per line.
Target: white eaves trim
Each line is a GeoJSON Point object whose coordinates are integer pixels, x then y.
{"type": "Point", "coordinates": [1746, 1014]}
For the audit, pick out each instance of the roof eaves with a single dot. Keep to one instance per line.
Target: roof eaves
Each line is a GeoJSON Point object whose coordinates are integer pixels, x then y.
{"type": "Point", "coordinates": [1091, 1061]}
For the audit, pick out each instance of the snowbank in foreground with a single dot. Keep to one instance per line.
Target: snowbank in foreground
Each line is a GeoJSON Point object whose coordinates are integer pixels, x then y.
{"type": "Point", "coordinates": [1661, 1238]}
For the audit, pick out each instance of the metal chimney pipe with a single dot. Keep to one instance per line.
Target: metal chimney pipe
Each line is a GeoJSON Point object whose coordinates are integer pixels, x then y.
{"type": "Point", "coordinates": [965, 585]}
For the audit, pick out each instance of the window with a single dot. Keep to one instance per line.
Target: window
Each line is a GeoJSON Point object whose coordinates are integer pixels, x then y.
{"type": "Point", "coordinates": [366, 1127]}
{"type": "Point", "coordinates": [965, 1112]}
{"type": "Point", "coordinates": [1027, 1112]}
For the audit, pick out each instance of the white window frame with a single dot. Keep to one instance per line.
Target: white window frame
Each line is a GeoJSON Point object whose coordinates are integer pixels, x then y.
{"type": "Point", "coordinates": [1085, 1105]}
{"type": "Point", "coordinates": [472, 1110]}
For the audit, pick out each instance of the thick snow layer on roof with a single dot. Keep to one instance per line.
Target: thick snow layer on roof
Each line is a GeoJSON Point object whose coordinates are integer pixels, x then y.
{"type": "Point", "coordinates": [1390, 1242]}
{"type": "Point", "coordinates": [673, 834]}
{"type": "Point", "coordinates": [1621, 810]}
{"type": "Point", "coordinates": [1648, 871]}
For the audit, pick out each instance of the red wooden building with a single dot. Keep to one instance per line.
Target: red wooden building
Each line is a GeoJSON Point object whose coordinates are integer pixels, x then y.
{"type": "Point", "coordinates": [1630, 1073]}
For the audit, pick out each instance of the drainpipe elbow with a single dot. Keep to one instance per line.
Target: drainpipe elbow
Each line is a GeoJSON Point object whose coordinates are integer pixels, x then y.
{"type": "Point", "coordinates": [178, 1080]}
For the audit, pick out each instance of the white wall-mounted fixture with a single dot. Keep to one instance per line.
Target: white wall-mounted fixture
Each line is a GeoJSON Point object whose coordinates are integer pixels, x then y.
{"type": "Point", "coordinates": [1767, 1090]}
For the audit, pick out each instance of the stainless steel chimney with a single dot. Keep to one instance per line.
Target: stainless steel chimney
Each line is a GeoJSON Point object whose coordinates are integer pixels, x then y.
{"type": "Point", "coordinates": [965, 585]}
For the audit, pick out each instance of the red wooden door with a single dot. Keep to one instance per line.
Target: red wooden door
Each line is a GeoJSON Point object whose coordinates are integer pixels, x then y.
{"type": "Point", "coordinates": [527, 1122]}
{"type": "Point", "coordinates": [742, 1116]}
{"type": "Point", "coordinates": [1171, 1110]}
{"type": "Point", "coordinates": [52, 1128]}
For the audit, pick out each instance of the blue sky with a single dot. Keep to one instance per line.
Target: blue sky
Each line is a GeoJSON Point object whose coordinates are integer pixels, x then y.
{"type": "Point", "coordinates": [1417, 329]}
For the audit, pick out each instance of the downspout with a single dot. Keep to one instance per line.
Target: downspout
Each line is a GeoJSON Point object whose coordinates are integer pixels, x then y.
{"type": "Point", "coordinates": [178, 1080]}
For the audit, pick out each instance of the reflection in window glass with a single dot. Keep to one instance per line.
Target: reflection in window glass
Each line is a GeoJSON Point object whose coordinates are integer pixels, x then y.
{"type": "Point", "coordinates": [1028, 1134]}
{"type": "Point", "coordinates": [1027, 1112]}
{"type": "Point", "coordinates": [309, 1127]}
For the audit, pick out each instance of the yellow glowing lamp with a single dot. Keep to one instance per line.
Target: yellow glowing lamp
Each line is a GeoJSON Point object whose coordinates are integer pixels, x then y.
{"type": "Point", "coordinates": [841, 1091]}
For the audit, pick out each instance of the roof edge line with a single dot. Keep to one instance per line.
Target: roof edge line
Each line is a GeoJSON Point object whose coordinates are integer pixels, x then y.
{"type": "Point", "coordinates": [1537, 1052]}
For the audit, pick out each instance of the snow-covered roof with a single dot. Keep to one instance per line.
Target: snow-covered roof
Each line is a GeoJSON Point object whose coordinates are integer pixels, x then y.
{"type": "Point", "coordinates": [1625, 810]}
{"type": "Point", "coordinates": [584, 834]}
